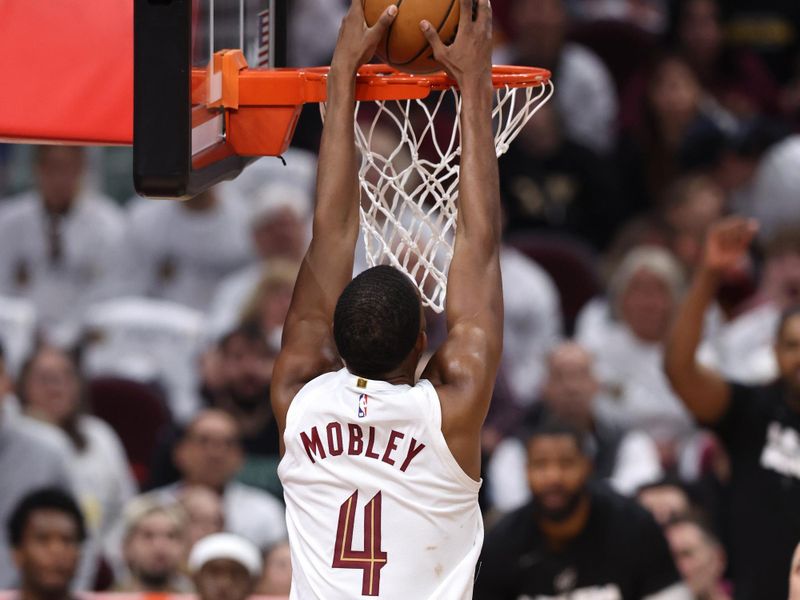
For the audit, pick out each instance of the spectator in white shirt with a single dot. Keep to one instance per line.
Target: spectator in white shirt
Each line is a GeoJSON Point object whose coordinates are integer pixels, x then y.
{"type": "Point", "coordinates": [57, 242]}
{"type": "Point", "coordinates": [625, 459]}
{"type": "Point", "coordinates": [586, 98]}
{"type": "Point", "coordinates": [50, 390]}
{"type": "Point", "coordinates": [644, 293]}
{"type": "Point", "coordinates": [531, 325]}
{"type": "Point", "coordinates": [180, 251]}
{"type": "Point", "coordinates": [210, 454]}
{"type": "Point", "coordinates": [280, 230]}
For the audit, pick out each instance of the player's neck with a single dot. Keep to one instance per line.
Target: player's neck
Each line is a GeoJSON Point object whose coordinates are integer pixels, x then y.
{"type": "Point", "coordinates": [561, 532]}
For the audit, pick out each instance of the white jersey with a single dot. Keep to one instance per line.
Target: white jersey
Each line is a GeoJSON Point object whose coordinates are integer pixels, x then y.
{"type": "Point", "coordinates": [376, 505]}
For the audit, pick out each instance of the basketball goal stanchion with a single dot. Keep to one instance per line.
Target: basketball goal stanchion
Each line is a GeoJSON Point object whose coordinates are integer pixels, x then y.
{"type": "Point", "coordinates": [407, 129]}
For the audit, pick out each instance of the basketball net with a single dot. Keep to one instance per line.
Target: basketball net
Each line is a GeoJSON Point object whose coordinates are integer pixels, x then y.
{"type": "Point", "coordinates": [409, 174]}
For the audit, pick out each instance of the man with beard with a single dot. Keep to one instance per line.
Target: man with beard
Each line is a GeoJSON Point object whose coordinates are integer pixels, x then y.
{"type": "Point", "coordinates": [246, 362]}
{"type": "Point", "coordinates": [209, 454]}
{"type": "Point", "coordinates": [154, 546]}
{"type": "Point", "coordinates": [574, 539]}
{"type": "Point", "coordinates": [241, 388]}
{"type": "Point", "coordinates": [46, 531]}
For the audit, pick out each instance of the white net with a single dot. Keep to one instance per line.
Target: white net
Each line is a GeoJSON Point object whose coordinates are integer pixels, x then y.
{"type": "Point", "coordinates": [409, 176]}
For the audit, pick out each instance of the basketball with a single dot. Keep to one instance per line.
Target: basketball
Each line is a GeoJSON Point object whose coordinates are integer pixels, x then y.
{"type": "Point", "coordinates": [404, 46]}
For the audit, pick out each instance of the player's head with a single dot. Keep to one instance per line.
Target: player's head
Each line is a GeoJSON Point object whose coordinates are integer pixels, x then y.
{"type": "Point", "coordinates": [46, 531]}
{"type": "Point", "coordinates": [787, 349]}
{"type": "Point", "coordinates": [559, 465]}
{"type": "Point", "coordinates": [378, 323]}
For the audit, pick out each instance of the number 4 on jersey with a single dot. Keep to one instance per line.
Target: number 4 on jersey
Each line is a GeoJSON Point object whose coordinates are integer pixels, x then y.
{"type": "Point", "coordinates": [371, 559]}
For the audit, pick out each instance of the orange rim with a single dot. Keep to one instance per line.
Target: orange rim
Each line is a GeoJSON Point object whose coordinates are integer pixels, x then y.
{"type": "Point", "coordinates": [282, 87]}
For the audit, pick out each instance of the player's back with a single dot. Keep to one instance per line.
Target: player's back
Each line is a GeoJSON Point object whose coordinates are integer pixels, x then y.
{"type": "Point", "coordinates": [376, 505]}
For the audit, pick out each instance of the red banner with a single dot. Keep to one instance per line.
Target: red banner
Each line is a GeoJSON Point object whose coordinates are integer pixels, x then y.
{"type": "Point", "coordinates": [67, 70]}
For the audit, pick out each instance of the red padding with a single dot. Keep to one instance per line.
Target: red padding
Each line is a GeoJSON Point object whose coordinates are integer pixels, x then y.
{"type": "Point", "coordinates": [66, 70]}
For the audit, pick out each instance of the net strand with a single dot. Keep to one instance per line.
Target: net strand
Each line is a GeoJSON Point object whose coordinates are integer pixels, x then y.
{"type": "Point", "coordinates": [410, 188]}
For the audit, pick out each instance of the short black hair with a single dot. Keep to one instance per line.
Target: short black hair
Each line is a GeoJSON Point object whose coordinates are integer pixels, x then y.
{"type": "Point", "coordinates": [552, 427]}
{"type": "Point", "coordinates": [376, 321]}
{"type": "Point", "coordinates": [51, 498]}
{"type": "Point", "coordinates": [786, 316]}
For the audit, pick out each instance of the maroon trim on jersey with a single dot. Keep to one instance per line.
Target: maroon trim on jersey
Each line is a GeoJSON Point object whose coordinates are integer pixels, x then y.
{"type": "Point", "coordinates": [371, 559]}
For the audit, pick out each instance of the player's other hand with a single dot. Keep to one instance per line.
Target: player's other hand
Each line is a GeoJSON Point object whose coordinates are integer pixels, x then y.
{"type": "Point", "coordinates": [357, 42]}
{"type": "Point", "coordinates": [468, 59]}
{"type": "Point", "coordinates": [727, 244]}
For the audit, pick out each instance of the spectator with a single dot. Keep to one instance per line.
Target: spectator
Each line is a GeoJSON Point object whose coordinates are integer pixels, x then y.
{"type": "Point", "coordinates": [279, 230]}
{"type": "Point", "coordinates": [574, 539]}
{"type": "Point", "coordinates": [269, 301]}
{"type": "Point", "coordinates": [626, 460]}
{"type": "Point", "coordinates": [50, 390]}
{"type": "Point", "coordinates": [154, 547]}
{"type": "Point", "coordinates": [238, 383]}
{"type": "Point", "coordinates": [277, 577]}
{"type": "Point", "coordinates": [532, 323]}
{"type": "Point", "coordinates": [735, 78]}
{"type": "Point", "coordinates": [644, 292]}
{"type": "Point", "coordinates": [699, 557]}
{"type": "Point", "coordinates": [204, 510]}
{"type": "Point", "coordinates": [691, 205]}
{"type": "Point", "coordinates": [225, 567]}
{"type": "Point", "coordinates": [46, 531]}
{"type": "Point", "coordinates": [665, 499]}
{"type": "Point", "coordinates": [742, 348]}
{"type": "Point", "coordinates": [551, 182]}
{"type": "Point", "coordinates": [29, 459]}
{"type": "Point", "coordinates": [676, 114]}
{"type": "Point", "coordinates": [758, 424]}
{"type": "Point", "coordinates": [649, 15]}
{"type": "Point", "coordinates": [56, 242]}
{"type": "Point", "coordinates": [180, 251]}
{"type": "Point", "coordinates": [210, 454]}
{"type": "Point", "coordinates": [586, 100]}
{"type": "Point", "coordinates": [772, 199]}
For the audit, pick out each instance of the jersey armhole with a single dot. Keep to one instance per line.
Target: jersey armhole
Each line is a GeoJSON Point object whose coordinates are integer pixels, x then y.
{"type": "Point", "coordinates": [432, 415]}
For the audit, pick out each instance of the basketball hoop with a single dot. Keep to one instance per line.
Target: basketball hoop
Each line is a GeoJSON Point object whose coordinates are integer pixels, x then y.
{"type": "Point", "coordinates": [408, 216]}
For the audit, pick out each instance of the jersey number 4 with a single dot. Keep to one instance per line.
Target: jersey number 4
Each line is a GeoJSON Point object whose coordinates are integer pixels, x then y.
{"type": "Point", "coordinates": [371, 559]}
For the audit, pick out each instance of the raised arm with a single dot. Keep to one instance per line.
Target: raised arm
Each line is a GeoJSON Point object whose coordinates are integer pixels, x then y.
{"type": "Point", "coordinates": [465, 367]}
{"type": "Point", "coordinates": [704, 392]}
{"type": "Point", "coordinates": [307, 348]}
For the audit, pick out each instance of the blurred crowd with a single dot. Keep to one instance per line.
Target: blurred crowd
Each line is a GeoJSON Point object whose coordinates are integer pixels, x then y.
{"type": "Point", "coordinates": [138, 451]}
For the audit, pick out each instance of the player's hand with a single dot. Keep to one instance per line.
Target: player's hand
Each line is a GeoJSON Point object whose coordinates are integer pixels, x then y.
{"type": "Point", "coordinates": [357, 42]}
{"type": "Point", "coordinates": [794, 576]}
{"type": "Point", "coordinates": [727, 243]}
{"type": "Point", "coordinates": [468, 59]}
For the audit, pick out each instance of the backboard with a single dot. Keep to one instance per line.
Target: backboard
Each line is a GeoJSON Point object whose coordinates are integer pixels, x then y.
{"type": "Point", "coordinates": [179, 135]}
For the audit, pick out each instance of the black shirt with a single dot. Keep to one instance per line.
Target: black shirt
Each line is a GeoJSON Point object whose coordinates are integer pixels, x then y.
{"type": "Point", "coordinates": [621, 547]}
{"type": "Point", "coordinates": [762, 435]}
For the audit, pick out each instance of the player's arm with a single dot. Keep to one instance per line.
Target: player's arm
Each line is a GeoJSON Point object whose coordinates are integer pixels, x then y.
{"type": "Point", "coordinates": [704, 392]}
{"type": "Point", "coordinates": [307, 348]}
{"type": "Point", "coordinates": [465, 367]}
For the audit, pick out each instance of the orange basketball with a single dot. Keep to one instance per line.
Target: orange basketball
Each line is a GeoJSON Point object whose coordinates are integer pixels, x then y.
{"type": "Point", "coordinates": [405, 47]}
